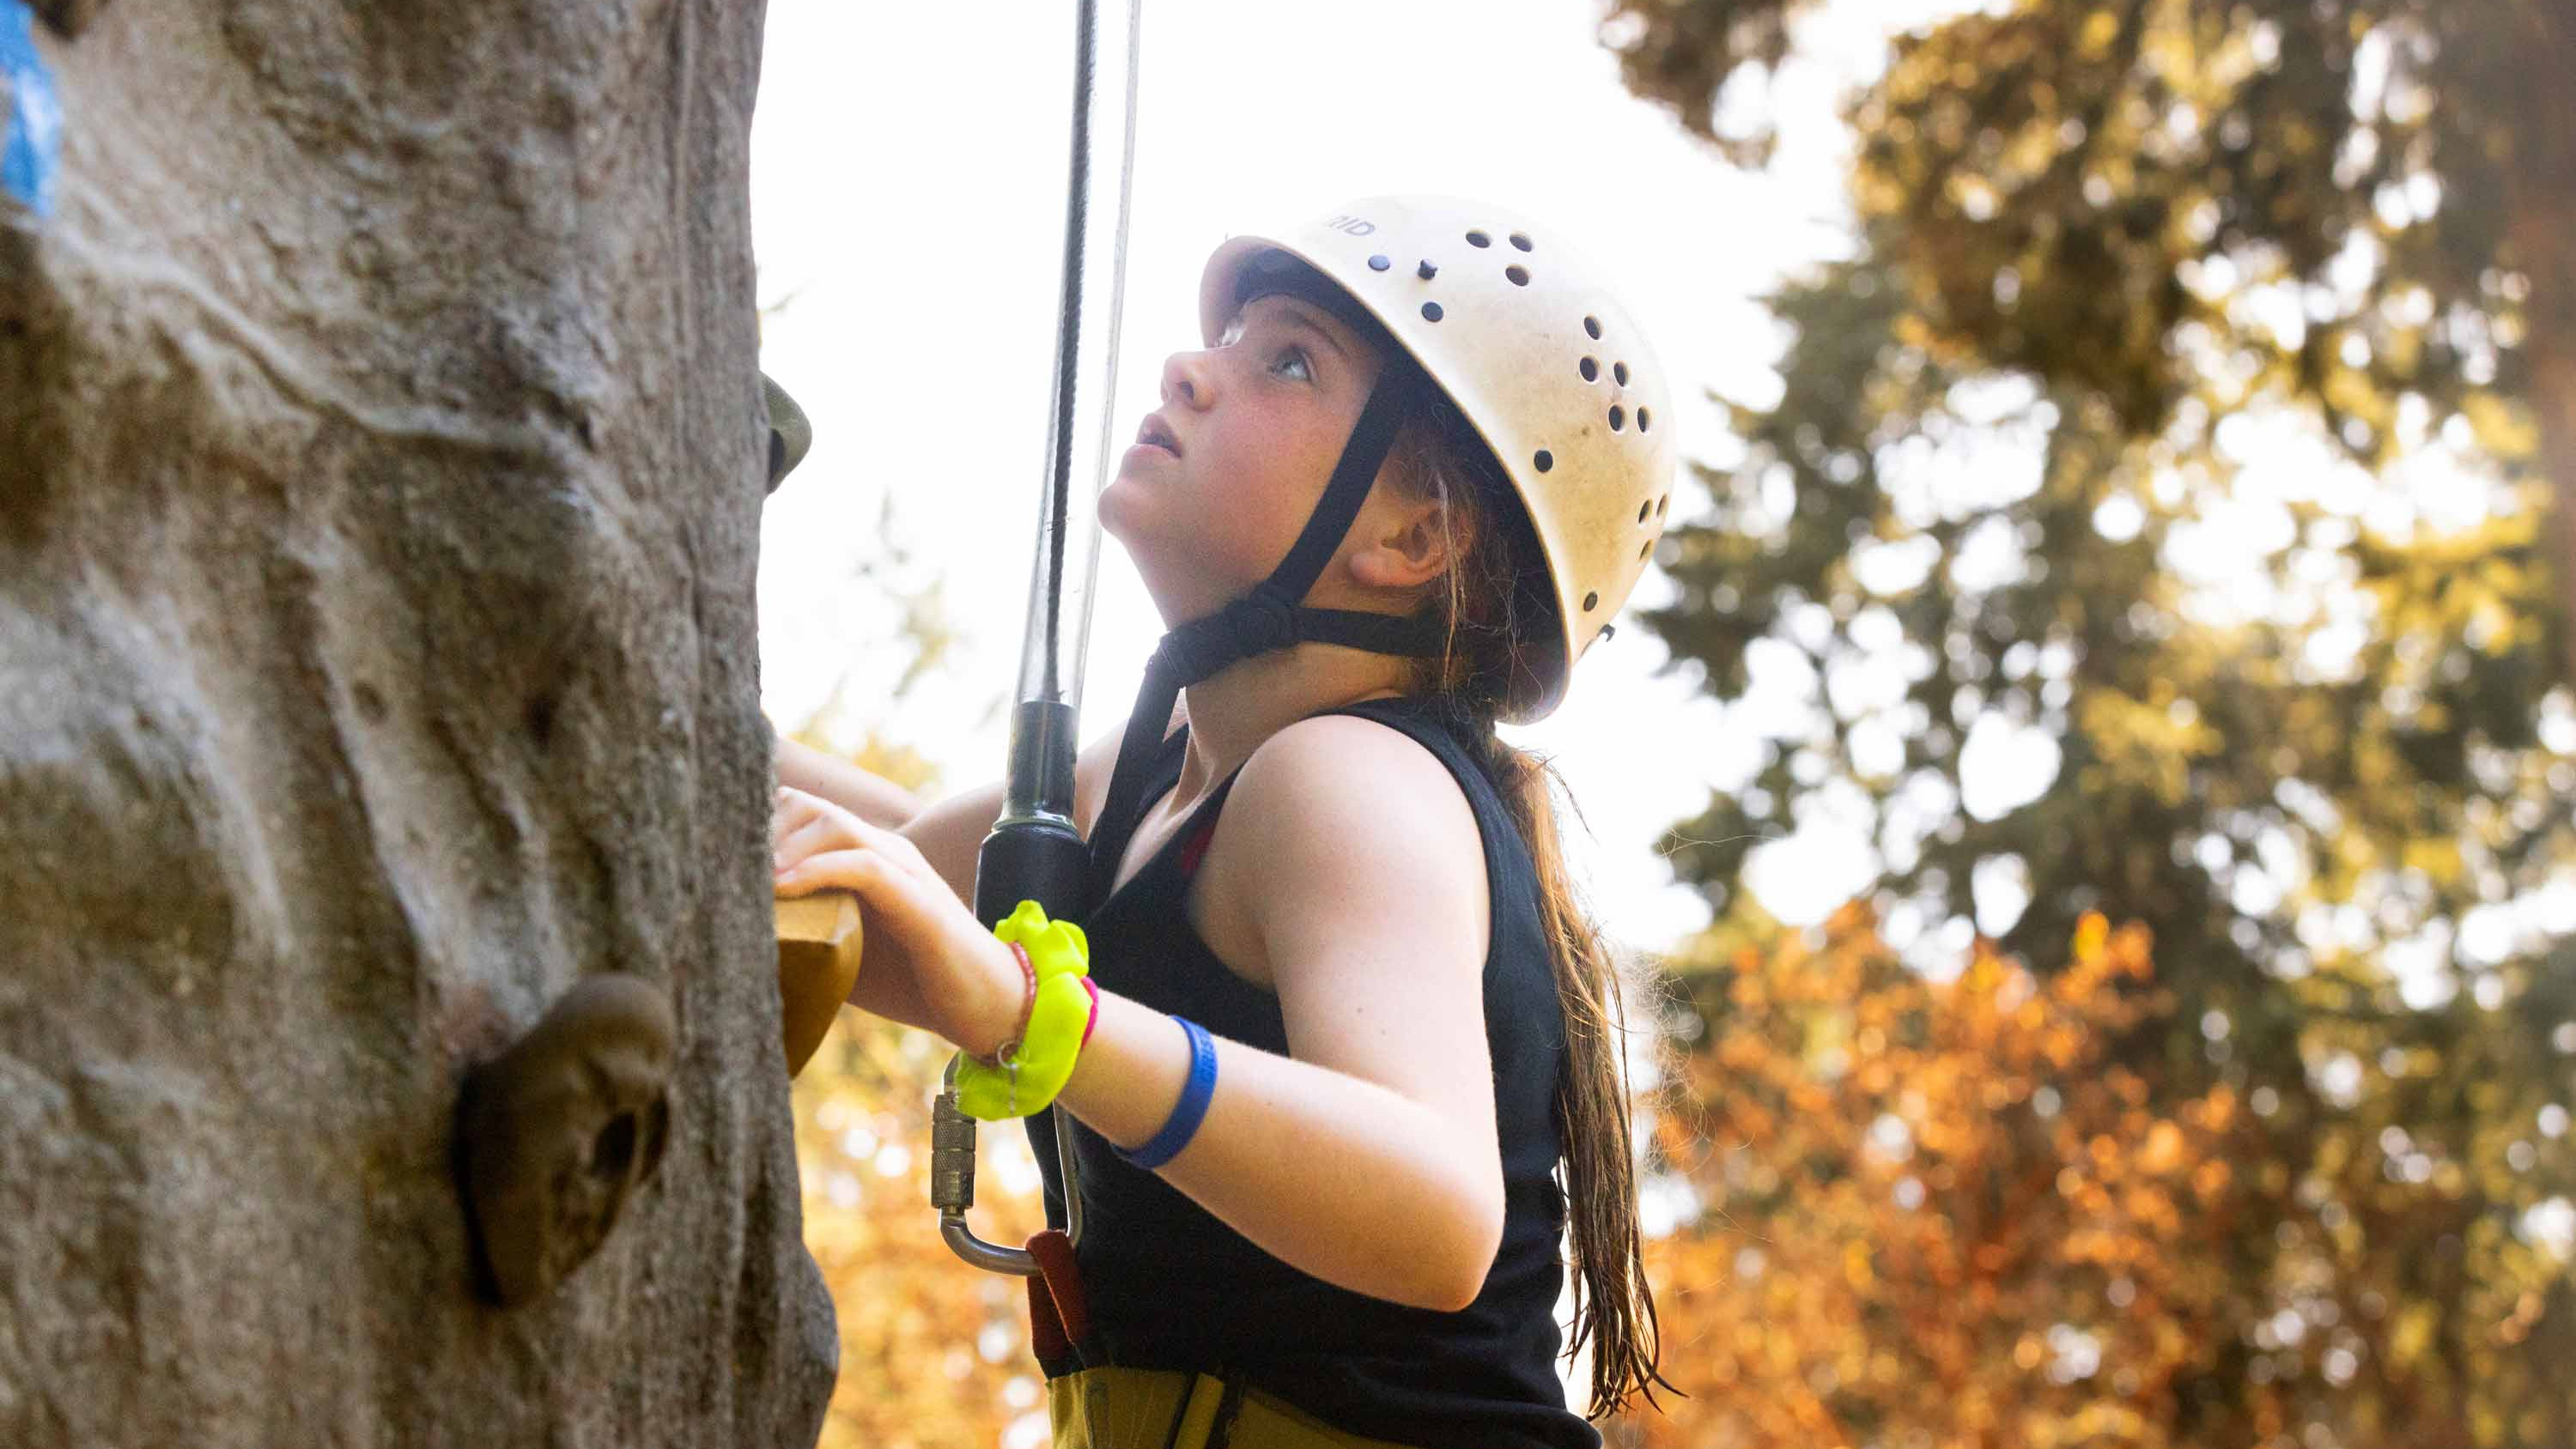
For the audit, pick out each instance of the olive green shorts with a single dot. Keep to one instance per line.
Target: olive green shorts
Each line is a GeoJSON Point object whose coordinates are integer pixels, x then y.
{"type": "Point", "coordinates": [1121, 1408]}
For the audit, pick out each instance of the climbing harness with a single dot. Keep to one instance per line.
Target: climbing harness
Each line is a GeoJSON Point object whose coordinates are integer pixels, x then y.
{"type": "Point", "coordinates": [1129, 1408]}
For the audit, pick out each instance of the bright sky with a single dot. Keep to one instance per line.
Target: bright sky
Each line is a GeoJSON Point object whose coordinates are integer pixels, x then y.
{"type": "Point", "coordinates": [907, 204]}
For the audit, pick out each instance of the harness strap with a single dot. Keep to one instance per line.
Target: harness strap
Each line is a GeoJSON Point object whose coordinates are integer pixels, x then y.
{"type": "Point", "coordinates": [1123, 1408]}
{"type": "Point", "coordinates": [1059, 1313]}
{"type": "Point", "coordinates": [1228, 1408]}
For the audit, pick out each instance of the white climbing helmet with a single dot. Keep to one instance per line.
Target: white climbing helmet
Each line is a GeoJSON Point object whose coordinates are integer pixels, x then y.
{"type": "Point", "coordinates": [1552, 372]}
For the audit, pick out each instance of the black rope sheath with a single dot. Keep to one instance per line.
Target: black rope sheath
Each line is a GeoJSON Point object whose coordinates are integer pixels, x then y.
{"type": "Point", "coordinates": [1068, 350]}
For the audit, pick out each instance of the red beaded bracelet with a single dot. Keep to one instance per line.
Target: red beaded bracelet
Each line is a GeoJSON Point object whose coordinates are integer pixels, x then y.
{"type": "Point", "coordinates": [1010, 1046]}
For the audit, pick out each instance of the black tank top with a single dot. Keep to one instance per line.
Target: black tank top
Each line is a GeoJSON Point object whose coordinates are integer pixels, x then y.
{"type": "Point", "coordinates": [1171, 1287]}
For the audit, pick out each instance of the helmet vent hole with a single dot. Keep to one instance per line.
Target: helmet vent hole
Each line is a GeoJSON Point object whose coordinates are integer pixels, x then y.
{"type": "Point", "coordinates": [1591, 602]}
{"type": "Point", "coordinates": [1519, 275]}
{"type": "Point", "coordinates": [1645, 420]}
{"type": "Point", "coordinates": [1592, 328]}
{"type": "Point", "coordinates": [1542, 460]}
{"type": "Point", "coordinates": [1618, 418]}
{"type": "Point", "coordinates": [1380, 262]}
{"type": "Point", "coordinates": [1590, 369]}
{"type": "Point", "coordinates": [1430, 311]}
{"type": "Point", "coordinates": [1619, 373]}
{"type": "Point", "coordinates": [1644, 549]}
{"type": "Point", "coordinates": [1479, 239]}
{"type": "Point", "coordinates": [1663, 503]}
{"type": "Point", "coordinates": [1522, 241]}
{"type": "Point", "coordinates": [1644, 509]}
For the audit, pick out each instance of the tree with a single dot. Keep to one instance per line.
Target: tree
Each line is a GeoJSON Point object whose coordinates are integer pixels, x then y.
{"type": "Point", "coordinates": [2368, 205]}
{"type": "Point", "coordinates": [2092, 290]}
{"type": "Point", "coordinates": [1947, 1213]}
{"type": "Point", "coordinates": [2180, 416]}
{"type": "Point", "coordinates": [379, 469]}
{"type": "Point", "coordinates": [935, 1354]}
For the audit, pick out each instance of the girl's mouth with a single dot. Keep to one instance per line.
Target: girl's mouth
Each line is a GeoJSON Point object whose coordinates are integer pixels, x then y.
{"type": "Point", "coordinates": [1155, 433]}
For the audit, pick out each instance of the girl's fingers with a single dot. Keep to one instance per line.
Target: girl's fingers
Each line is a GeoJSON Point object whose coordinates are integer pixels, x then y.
{"type": "Point", "coordinates": [791, 807]}
{"type": "Point", "coordinates": [851, 867]}
{"type": "Point", "coordinates": [812, 836]}
{"type": "Point", "coordinates": [892, 845]}
{"type": "Point", "coordinates": [882, 886]}
{"type": "Point", "coordinates": [807, 825]}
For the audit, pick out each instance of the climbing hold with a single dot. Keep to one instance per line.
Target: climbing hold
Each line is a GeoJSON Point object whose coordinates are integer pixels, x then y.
{"type": "Point", "coordinates": [69, 17]}
{"type": "Point", "coordinates": [790, 434]}
{"type": "Point", "coordinates": [818, 963]}
{"type": "Point", "coordinates": [31, 120]}
{"type": "Point", "coordinates": [555, 1134]}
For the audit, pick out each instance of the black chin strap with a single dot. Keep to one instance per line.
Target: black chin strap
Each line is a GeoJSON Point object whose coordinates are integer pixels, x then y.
{"type": "Point", "coordinates": [1267, 619]}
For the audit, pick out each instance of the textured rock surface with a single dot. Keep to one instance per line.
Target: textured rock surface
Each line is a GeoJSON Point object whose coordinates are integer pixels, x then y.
{"type": "Point", "coordinates": [379, 474]}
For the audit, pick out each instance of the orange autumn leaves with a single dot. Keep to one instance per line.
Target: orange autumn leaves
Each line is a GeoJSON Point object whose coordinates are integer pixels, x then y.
{"type": "Point", "coordinates": [934, 1354]}
{"type": "Point", "coordinates": [1938, 1212]}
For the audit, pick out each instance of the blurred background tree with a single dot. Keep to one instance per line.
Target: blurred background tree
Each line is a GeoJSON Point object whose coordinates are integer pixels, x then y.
{"type": "Point", "coordinates": [1949, 1216]}
{"type": "Point", "coordinates": [933, 1353]}
{"type": "Point", "coordinates": [1949, 1212]}
{"type": "Point", "coordinates": [2150, 523]}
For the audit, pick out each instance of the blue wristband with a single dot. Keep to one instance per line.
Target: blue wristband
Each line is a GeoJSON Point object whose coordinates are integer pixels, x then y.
{"type": "Point", "coordinates": [1188, 1112]}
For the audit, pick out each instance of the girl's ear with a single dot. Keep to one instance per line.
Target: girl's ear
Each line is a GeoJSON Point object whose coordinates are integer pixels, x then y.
{"type": "Point", "coordinates": [1409, 542]}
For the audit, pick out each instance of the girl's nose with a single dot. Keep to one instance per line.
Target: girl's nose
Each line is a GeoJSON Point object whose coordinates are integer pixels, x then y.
{"type": "Point", "coordinates": [1186, 379]}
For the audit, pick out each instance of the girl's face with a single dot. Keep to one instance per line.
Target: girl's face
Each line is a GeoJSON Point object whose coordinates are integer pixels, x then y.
{"type": "Point", "coordinates": [1226, 472]}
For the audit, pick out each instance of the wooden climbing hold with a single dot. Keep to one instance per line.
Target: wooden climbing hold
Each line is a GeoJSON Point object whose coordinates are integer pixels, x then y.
{"type": "Point", "coordinates": [818, 963]}
{"type": "Point", "coordinates": [557, 1133]}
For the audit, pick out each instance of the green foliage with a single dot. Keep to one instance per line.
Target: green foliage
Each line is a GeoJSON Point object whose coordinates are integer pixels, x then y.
{"type": "Point", "coordinates": [2181, 412]}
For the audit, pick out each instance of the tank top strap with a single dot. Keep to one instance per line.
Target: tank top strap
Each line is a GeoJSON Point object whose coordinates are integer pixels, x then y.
{"type": "Point", "coordinates": [1429, 723]}
{"type": "Point", "coordinates": [1162, 773]}
{"type": "Point", "coordinates": [1445, 731]}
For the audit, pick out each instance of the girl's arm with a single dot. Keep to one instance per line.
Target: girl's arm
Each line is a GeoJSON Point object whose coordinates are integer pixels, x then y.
{"type": "Point", "coordinates": [1369, 1159]}
{"type": "Point", "coordinates": [950, 832]}
{"type": "Point", "coordinates": [873, 798]}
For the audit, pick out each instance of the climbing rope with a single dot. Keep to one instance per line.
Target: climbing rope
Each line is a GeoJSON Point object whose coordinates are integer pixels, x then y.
{"type": "Point", "coordinates": [1034, 852]}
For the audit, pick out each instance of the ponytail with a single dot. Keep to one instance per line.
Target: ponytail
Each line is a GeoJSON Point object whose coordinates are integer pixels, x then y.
{"type": "Point", "coordinates": [1613, 1306]}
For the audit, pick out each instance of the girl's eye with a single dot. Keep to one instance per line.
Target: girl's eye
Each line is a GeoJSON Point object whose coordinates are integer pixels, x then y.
{"type": "Point", "coordinates": [1293, 364]}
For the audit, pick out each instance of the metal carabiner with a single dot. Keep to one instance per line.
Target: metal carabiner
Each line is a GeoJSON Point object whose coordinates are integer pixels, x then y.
{"type": "Point", "coordinates": [952, 1184]}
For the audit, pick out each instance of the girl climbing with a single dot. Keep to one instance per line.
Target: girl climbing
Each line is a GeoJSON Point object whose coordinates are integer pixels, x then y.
{"type": "Point", "coordinates": [1332, 1020]}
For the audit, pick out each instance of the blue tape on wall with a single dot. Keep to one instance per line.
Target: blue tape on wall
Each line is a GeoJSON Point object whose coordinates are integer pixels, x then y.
{"type": "Point", "coordinates": [31, 119]}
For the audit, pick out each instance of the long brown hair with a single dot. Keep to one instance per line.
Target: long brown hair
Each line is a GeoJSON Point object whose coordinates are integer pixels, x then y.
{"type": "Point", "coordinates": [1491, 609]}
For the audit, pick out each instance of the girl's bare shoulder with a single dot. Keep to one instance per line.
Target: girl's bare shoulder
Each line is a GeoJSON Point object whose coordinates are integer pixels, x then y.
{"type": "Point", "coordinates": [1339, 799]}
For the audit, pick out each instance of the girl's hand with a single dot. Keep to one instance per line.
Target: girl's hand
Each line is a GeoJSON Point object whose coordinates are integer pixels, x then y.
{"type": "Point", "coordinates": [970, 985]}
